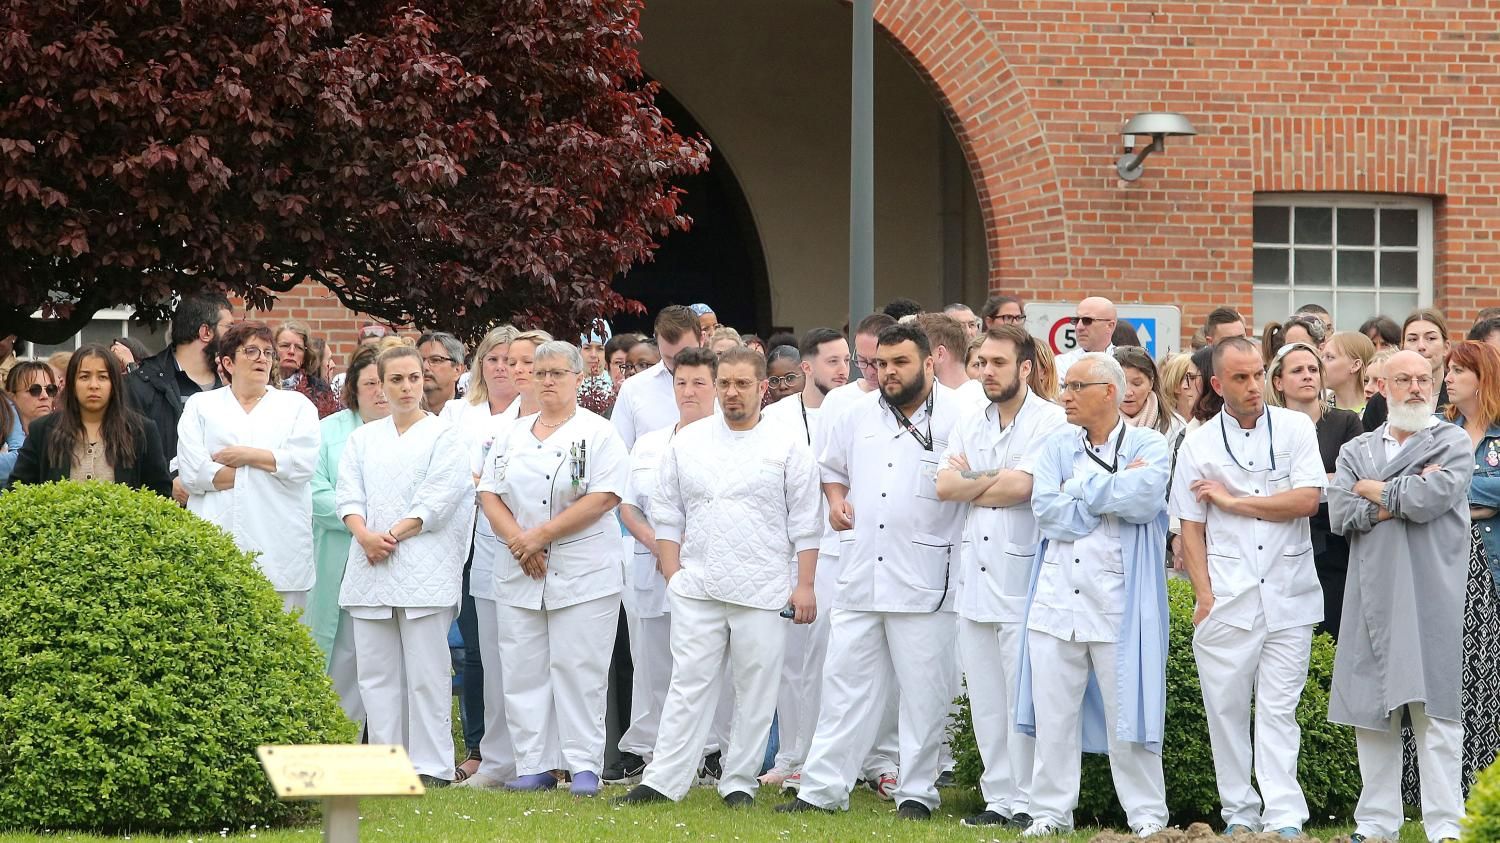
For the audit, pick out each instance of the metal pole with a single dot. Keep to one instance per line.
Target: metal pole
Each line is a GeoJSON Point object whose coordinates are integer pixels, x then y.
{"type": "Point", "coordinates": [862, 166]}
{"type": "Point", "coordinates": [341, 819]}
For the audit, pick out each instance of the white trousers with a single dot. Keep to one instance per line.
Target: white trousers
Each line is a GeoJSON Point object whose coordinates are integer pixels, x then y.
{"type": "Point", "coordinates": [406, 683]}
{"type": "Point", "coordinates": [1057, 687]}
{"type": "Point", "coordinates": [498, 757]}
{"type": "Point", "coordinates": [1235, 665]}
{"type": "Point", "coordinates": [294, 600]}
{"type": "Point", "coordinates": [868, 653]}
{"type": "Point", "coordinates": [1439, 765]}
{"type": "Point", "coordinates": [651, 651]}
{"type": "Point", "coordinates": [343, 669]}
{"type": "Point", "coordinates": [703, 632]}
{"type": "Point", "coordinates": [556, 667]}
{"type": "Point", "coordinates": [991, 658]}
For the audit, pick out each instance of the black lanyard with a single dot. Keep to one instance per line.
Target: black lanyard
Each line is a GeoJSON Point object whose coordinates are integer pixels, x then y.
{"type": "Point", "coordinates": [924, 440]}
{"type": "Point", "coordinates": [1270, 441]}
{"type": "Point", "coordinates": [805, 426]}
{"type": "Point", "coordinates": [1113, 466]}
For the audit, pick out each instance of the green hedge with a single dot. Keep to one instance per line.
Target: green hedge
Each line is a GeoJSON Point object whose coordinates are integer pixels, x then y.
{"type": "Point", "coordinates": [143, 659]}
{"type": "Point", "coordinates": [1481, 821]}
{"type": "Point", "coordinates": [1327, 767]}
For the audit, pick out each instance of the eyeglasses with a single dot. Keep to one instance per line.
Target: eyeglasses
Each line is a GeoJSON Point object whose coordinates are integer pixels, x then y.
{"type": "Point", "coordinates": [1011, 318]}
{"type": "Point", "coordinates": [1405, 381]}
{"type": "Point", "coordinates": [436, 359]}
{"type": "Point", "coordinates": [36, 390]}
{"type": "Point", "coordinates": [255, 352]}
{"type": "Point", "coordinates": [783, 380]}
{"type": "Point", "coordinates": [1078, 386]}
{"type": "Point", "coordinates": [551, 374]}
{"type": "Point", "coordinates": [863, 363]}
{"type": "Point", "coordinates": [1192, 377]}
{"type": "Point", "coordinates": [291, 346]}
{"type": "Point", "coordinates": [1086, 321]}
{"type": "Point", "coordinates": [970, 324]}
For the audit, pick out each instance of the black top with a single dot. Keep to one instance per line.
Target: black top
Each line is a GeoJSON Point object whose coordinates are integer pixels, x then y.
{"type": "Point", "coordinates": [1375, 412]}
{"type": "Point", "coordinates": [1334, 429]}
{"type": "Point", "coordinates": [158, 390]}
{"type": "Point", "coordinates": [148, 472]}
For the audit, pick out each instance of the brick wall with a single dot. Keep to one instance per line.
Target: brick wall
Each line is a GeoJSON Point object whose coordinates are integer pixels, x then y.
{"type": "Point", "coordinates": [1314, 95]}
{"type": "Point", "coordinates": [1317, 95]}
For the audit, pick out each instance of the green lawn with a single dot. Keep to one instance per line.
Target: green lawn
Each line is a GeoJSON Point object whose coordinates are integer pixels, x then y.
{"type": "Point", "coordinates": [459, 816]}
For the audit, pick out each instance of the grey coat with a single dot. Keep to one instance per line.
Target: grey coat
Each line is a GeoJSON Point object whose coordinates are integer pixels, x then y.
{"type": "Point", "coordinates": [1402, 636]}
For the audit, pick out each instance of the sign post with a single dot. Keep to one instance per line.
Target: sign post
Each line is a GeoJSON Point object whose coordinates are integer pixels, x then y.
{"type": "Point", "coordinates": [1157, 326]}
{"type": "Point", "coordinates": [339, 774]}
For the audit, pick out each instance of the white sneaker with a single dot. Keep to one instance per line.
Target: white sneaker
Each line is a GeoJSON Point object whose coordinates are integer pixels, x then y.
{"type": "Point", "coordinates": [1148, 829]}
{"type": "Point", "coordinates": [481, 781]}
{"type": "Point", "coordinates": [1045, 828]}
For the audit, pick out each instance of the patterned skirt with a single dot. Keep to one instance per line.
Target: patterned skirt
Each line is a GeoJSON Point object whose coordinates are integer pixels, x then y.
{"type": "Point", "coordinates": [1481, 687]}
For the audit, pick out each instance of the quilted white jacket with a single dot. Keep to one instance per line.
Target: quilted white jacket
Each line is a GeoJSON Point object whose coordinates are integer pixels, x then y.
{"type": "Point", "coordinates": [740, 503]}
{"type": "Point", "coordinates": [422, 473]}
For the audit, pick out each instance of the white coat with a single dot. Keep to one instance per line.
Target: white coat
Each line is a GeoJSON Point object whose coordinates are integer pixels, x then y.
{"type": "Point", "coordinates": [641, 575]}
{"type": "Point", "coordinates": [645, 403]}
{"type": "Point", "coordinates": [896, 559]}
{"type": "Point", "coordinates": [536, 479]}
{"type": "Point", "coordinates": [385, 477]}
{"type": "Point", "coordinates": [267, 513]}
{"type": "Point", "coordinates": [479, 430]}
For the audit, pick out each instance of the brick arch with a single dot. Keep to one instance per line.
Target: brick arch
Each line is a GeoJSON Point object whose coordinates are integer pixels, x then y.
{"type": "Point", "coordinates": [1010, 162]}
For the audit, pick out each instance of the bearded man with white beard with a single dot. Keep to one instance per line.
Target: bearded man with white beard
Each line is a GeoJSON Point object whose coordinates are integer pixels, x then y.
{"type": "Point", "coordinates": [1401, 496]}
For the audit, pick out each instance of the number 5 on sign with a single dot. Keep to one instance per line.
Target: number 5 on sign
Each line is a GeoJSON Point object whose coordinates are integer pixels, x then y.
{"type": "Point", "coordinates": [339, 774]}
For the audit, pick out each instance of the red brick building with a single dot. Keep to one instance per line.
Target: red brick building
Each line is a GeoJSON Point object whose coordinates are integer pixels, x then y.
{"type": "Point", "coordinates": [1348, 153]}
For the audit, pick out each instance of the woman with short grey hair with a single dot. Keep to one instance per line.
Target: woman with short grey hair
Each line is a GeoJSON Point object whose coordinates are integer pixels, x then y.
{"type": "Point", "coordinates": [549, 492]}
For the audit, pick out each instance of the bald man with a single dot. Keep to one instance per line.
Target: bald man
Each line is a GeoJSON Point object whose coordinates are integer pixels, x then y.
{"type": "Point", "coordinates": [1093, 325]}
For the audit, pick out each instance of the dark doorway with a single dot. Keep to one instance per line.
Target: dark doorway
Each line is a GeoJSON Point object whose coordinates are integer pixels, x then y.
{"type": "Point", "coordinates": [718, 261]}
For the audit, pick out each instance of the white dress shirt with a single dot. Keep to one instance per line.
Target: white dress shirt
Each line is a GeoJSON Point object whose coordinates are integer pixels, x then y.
{"type": "Point", "coordinates": [1000, 542]}
{"type": "Point", "coordinates": [267, 513]}
{"type": "Point", "coordinates": [1251, 562]}
{"type": "Point", "coordinates": [645, 403]}
{"type": "Point", "coordinates": [740, 503]}
{"type": "Point", "coordinates": [897, 557]}
{"type": "Point", "coordinates": [539, 478]}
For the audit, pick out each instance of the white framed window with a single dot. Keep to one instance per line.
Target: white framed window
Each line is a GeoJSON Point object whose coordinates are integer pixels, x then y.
{"type": "Point", "coordinates": [104, 328]}
{"type": "Point", "coordinates": [1357, 254]}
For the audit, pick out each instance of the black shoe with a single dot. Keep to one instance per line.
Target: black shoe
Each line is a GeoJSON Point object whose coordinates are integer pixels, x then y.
{"type": "Point", "coordinates": [433, 782]}
{"type": "Point", "coordinates": [625, 771]}
{"type": "Point", "coordinates": [985, 818]}
{"type": "Point", "coordinates": [1020, 822]}
{"type": "Point", "coordinates": [640, 795]}
{"type": "Point", "coordinates": [711, 770]}
{"type": "Point", "coordinates": [945, 779]}
{"type": "Point", "coordinates": [913, 810]}
{"type": "Point", "coordinates": [738, 799]}
{"type": "Point", "coordinates": [797, 806]}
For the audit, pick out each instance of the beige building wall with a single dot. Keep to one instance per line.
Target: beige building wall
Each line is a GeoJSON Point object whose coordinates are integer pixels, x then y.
{"type": "Point", "coordinates": [768, 80]}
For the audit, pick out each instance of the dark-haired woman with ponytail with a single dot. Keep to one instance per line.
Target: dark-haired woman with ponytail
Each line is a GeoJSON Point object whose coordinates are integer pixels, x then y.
{"type": "Point", "coordinates": [94, 434]}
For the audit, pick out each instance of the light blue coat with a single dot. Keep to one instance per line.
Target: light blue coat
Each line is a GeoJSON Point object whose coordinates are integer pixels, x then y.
{"type": "Point", "coordinates": [13, 442]}
{"type": "Point", "coordinates": [1069, 508]}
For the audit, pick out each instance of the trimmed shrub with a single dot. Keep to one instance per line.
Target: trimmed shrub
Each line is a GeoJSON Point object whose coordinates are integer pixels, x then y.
{"type": "Point", "coordinates": [1481, 822]}
{"type": "Point", "coordinates": [1327, 765]}
{"type": "Point", "coordinates": [142, 661]}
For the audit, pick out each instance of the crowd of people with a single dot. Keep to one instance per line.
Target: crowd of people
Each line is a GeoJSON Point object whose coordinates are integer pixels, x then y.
{"type": "Point", "coordinates": [818, 543]}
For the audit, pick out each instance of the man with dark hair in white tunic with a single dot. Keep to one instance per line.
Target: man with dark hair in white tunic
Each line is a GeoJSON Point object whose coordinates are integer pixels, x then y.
{"type": "Point", "coordinates": [735, 498]}
{"type": "Point", "coordinates": [1401, 496]}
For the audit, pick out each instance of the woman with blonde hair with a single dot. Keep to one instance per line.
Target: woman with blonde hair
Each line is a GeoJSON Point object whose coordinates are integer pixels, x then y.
{"type": "Point", "coordinates": [724, 338]}
{"type": "Point", "coordinates": [1044, 374]}
{"type": "Point", "coordinates": [1180, 384]}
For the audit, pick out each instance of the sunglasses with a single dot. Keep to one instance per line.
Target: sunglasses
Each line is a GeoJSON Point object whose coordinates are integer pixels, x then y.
{"type": "Point", "coordinates": [1085, 321]}
{"type": "Point", "coordinates": [36, 390]}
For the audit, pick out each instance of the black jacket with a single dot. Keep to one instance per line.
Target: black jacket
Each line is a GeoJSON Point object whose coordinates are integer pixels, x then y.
{"type": "Point", "coordinates": [154, 394]}
{"type": "Point", "coordinates": [148, 472]}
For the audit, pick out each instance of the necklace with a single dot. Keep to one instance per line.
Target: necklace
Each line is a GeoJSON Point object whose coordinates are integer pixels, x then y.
{"type": "Point", "coordinates": [559, 424]}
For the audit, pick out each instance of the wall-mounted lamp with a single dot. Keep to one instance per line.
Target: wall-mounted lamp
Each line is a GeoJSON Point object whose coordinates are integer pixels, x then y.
{"type": "Point", "coordinates": [1157, 124]}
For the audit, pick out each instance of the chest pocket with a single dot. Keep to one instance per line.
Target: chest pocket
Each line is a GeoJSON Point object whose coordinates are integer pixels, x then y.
{"type": "Point", "coordinates": [927, 469]}
{"type": "Point", "coordinates": [1279, 480]}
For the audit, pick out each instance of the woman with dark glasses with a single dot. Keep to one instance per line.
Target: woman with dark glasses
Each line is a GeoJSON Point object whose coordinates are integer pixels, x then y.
{"type": "Point", "coordinates": [31, 390]}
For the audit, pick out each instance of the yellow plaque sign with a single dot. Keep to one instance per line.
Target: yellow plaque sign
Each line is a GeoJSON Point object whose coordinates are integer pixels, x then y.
{"type": "Point", "coordinates": [325, 770]}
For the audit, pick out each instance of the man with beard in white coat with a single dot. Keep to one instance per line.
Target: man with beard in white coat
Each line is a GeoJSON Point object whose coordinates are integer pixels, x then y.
{"type": "Point", "coordinates": [735, 498]}
{"type": "Point", "coordinates": [892, 616]}
{"type": "Point", "coordinates": [405, 492]}
{"type": "Point", "coordinates": [988, 466]}
{"type": "Point", "coordinates": [693, 388]}
{"type": "Point", "coordinates": [1245, 485]}
{"type": "Point", "coordinates": [825, 367]}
